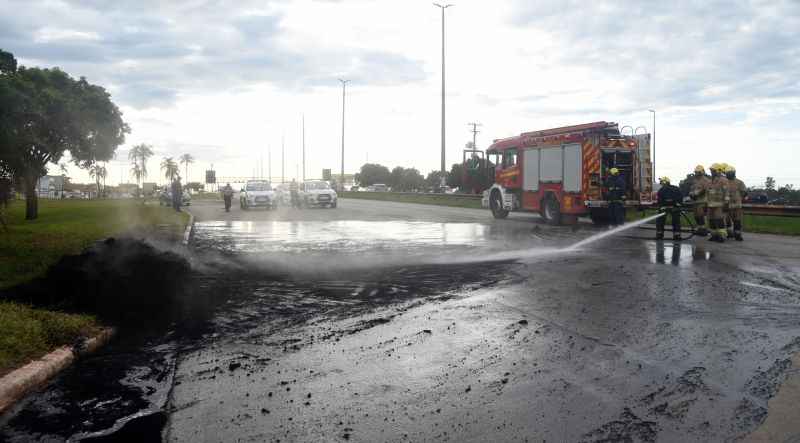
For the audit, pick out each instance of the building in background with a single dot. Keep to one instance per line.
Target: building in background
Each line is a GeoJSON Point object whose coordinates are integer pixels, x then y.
{"type": "Point", "coordinates": [50, 186]}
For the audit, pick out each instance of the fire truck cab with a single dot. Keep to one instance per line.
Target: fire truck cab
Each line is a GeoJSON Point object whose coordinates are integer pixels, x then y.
{"type": "Point", "coordinates": [560, 172]}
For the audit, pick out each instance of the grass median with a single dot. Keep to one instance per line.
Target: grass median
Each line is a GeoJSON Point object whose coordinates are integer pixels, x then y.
{"type": "Point", "coordinates": [30, 247]}
{"type": "Point", "coordinates": [425, 199]}
{"type": "Point", "coordinates": [67, 227]}
{"type": "Point", "coordinates": [30, 333]}
{"type": "Point", "coordinates": [758, 224]}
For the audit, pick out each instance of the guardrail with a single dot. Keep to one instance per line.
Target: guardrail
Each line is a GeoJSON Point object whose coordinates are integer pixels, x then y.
{"type": "Point", "coordinates": [752, 209]}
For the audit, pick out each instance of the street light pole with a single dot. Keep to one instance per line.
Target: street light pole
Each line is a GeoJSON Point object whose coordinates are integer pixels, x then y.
{"type": "Point", "coordinates": [654, 143]}
{"type": "Point", "coordinates": [443, 7]}
{"type": "Point", "coordinates": [341, 177]}
{"type": "Point", "coordinates": [304, 147]}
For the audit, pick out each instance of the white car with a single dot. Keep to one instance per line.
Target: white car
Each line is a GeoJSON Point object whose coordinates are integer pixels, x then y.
{"type": "Point", "coordinates": [257, 194]}
{"type": "Point", "coordinates": [317, 193]}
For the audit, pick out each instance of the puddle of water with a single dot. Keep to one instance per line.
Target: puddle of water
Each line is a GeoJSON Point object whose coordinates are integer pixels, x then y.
{"type": "Point", "coordinates": [678, 254]}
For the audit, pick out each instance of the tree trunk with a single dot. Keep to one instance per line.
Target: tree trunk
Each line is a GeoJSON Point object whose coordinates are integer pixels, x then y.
{"type": "Point", "coordinates": [31, 198]}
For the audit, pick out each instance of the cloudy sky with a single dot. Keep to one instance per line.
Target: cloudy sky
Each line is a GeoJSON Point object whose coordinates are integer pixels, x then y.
{"type": "Point", "coordinates": [227, 81]}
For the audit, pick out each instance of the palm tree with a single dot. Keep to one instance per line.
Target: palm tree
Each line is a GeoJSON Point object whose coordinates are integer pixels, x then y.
{"type": "Point", "coordinates": [186, 159]}
{"type": "Point", "coordinates": [170, 168]}
{"type": "Point", "coordinates": [98, 173]}
{"type": "Point", "coordinates": [139, 155]}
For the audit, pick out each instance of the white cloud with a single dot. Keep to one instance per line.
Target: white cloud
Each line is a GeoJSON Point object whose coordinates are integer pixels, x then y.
{"type": "Point", "coordinates": [226, 82]}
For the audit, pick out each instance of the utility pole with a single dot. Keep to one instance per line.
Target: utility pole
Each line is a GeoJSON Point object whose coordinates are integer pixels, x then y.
{"type": "Point", "coordinates": [474, 134]}
{"type": "Point", "coordinates": [304, 146]}
{"type": "Point", "coordinates": [283, 163]}
{"type": "Point", "coordinates": [269, 163]}
{"type": "Point", "coordinates": [443, 7]}
{"type": "Point", "coordinates": [341, 177]}
{"type": "Point", "coordinates": [654, 144]}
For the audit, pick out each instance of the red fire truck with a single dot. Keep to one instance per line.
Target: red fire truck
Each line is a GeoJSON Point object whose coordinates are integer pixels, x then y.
{"type": "Point", "coordinates": [560, 172]}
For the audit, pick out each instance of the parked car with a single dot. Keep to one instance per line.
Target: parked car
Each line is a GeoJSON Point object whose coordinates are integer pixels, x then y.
{"type": "Point", "coordinates": [380, 187]}
{"type": "Point", "coordinates": [778, 201]}
{"type": "Point", "coordinates": [165, 197]}
{"type": "Point", "coordinates": [257, 193]}
{"type": "Point", "coordinates": [759, 199]}
{"type": "Point", "coordinates": [283, 194]}
{"type": "Point", "coordinates": [317, 193]}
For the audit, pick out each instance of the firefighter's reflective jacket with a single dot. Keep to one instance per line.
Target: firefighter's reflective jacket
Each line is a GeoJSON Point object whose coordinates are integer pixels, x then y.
{"type": "Point", "coordinates": [699, 186]}
{"type": "Point", "coordinates": [717, 192]}
{"type": "Point", "coordinates": [736, 192]}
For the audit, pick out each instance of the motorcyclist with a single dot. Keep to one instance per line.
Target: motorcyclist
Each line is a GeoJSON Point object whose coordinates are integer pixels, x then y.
{"type": "Point", "coordinates": [615, 192]}
{"type": "Point", "coordinates": [669, 202]}
{"type": "Point", "coordinates": [700, 182]}
{"type": "Point", "coordinates": [227, 196]}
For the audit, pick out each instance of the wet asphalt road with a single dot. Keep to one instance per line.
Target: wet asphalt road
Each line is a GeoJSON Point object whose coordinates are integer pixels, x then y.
{"type": "Point", "coordinates": [381, 321]}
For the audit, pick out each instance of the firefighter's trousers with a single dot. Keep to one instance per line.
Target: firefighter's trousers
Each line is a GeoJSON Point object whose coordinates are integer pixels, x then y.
{"type": "Point", "coordinates": [616, 209]}
{"type": "Point", "coordinates": [716, 221]}
{"type": "Point", "coordinates": [675, 213]}
{"type": "Point", "coordinates": [700, 210]}
{"type": "Point", "coordinates": [734, 220]}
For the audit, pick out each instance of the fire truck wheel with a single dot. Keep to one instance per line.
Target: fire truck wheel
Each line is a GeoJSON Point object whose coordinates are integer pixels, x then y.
{"type": "Point", "coordinates": [496, 203]}
{"type": "Point", "coordinates": [551, 212]}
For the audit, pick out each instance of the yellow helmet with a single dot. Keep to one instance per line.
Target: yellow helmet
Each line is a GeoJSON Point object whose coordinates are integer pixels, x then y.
{"type": "Point", "coordinates": [614, 171]}
{"type": "Point", "coordinates": [714, 167]}
{"type": "Point", "coordinates": [699, 169]}
{"type": "Point", "coordinates": [664, 180]}
{"type": "Point", "coordinates": [729, 168]}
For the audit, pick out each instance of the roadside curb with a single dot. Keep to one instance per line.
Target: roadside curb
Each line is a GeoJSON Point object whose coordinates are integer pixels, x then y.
{"type": "Point", "coordinates": [22, 381]}
{"type": "Point", "coordinates": [187, 234]}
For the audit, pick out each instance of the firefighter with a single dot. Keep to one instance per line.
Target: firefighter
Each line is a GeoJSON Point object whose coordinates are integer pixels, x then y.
{"type": "Point", "coordinates": [669, 202]}
{"type": "Point", "coordinates": [737, 191]}
{"type": "Point", "coordinates": [717, 196]}
{"type": "Point", "coordinates": [700, 182]}
{"type": "Point", "coordinates": [615, 192]}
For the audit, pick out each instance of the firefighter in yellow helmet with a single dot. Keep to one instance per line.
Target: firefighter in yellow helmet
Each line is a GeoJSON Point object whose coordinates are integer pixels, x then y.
{"type": "Point", "coordinates": [615, 193]}
{"type": "Point", "coordinates": [737, 191]}
{"type": "Point", "coordinates": [669, 202]}
{"type": "Point", "coordinates": [697, 192]}
{"type": "Point", "coordinates": [717, 197]}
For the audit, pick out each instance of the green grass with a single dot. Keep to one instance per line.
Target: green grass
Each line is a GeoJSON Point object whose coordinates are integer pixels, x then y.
{"type": "Point", "coordinates": [425, 199]}
{"type": "Point", "coordinates": [30, 333]}
{"type": "Point", "coordinates": [69, 226]}
{"type": "Point", "coordinates": [760, 224]}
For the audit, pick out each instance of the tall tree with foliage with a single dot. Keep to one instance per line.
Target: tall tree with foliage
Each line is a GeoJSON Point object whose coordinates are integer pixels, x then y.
{"type": "Point", "coordinates": [169, 168]}
{"type": "Point", "coordinates": [45, 113]}
{"type": "Point", "coordinates": [372, 173]}
{"type": "Point", "coordinates": [769, 184]}
{"type": "Point", "coordinates": [186, 160]}
{"type": "Point", "coordinates": [98, 173]}
{"type": "Point", "coordinates": [138, 156]}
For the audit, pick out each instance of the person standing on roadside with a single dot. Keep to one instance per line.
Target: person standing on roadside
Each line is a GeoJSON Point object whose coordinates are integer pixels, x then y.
{"type": "Point", "coordinates": [293, 190]}
{"type": "Point", "coordinates": [717, 195]}
{"type": "Point", "coordinates": [615, 193]}
{"type": "Point", "coordinates": [700, 182]}
{"type": "Point", "coordinates": [669, 201]}
{"type": "Point", "coordinates": [737, 191]}
{"type": "Point", "coordinates": [177, 194]}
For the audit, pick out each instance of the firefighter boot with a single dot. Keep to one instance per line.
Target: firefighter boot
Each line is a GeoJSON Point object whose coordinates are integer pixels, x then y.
{"type": "Point", "coordinates": [677, 236]}
{"type": "Point", "coordinates": [701, 226]}
{"type": "Point", "coordinates": [737, 230]}
{"type": "Point", "coordinates": [659, 236]}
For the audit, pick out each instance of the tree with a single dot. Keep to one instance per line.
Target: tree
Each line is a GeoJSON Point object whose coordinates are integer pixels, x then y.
{"type": "Point", "coordinates": [139, 155]}
{"type": "Point", "coordinates": [434, 179]}
{"type": "Point", "coordinates": [98, 173]}
{"type": "Point", "coordinates": [372, 173]}
{"type": "Point", "coordinates": [455, 179]}
{"type": "Point", "coordinates": [396, 178]}
{"type": "Point", "coordinates": [170, 169]}
{"type": "Point", "coordinates": [45, 113]}
{"type": "Point", "coordinates": [186, 159]}
{"type": "Point", "coordinates": [769, 184]}
{"type": "Point", "coordinates": [412, 180]}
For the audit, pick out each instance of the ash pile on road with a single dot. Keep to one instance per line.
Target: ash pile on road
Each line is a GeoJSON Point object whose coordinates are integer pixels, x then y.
{"type": "Point", "coordinates": [124, 281]}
